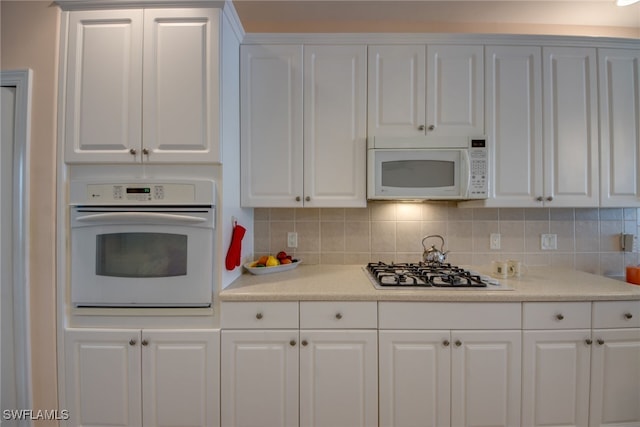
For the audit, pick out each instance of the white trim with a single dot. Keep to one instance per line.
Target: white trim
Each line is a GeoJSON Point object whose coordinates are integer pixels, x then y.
{"type": "Point", "coordinates": [22, 81]}
{"type": "Point", "coordinates": [129, 4]}
{"type": "Point", "coordinates": [437, 38]}
{"type": "Point", "coordinates": [231, 14]}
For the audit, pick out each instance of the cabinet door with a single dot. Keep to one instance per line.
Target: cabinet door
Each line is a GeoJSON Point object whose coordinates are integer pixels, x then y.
{"type": "Point", "coordinates": [271, 126]}
{"type": "Point", "coordinates": [102, 377]}
{"type": "Point", "coordinates": [180, 377]}
{"type": "Point", "coordinates": [335, 146]}
{"type": "Point", "coordinates": [615, 378]}
{"type": "Point", "coordinates": [514, 124]}
{"type": "Point", "coordinates": [181, 79]}
{"type": "Point", "coordinates": [455, 91]}
{"type": "Point", "coordinates": [397, 87]}
{"type": "Point", "coordinates": [415, 378]}
{"type": "Point", "coordinates": [485, 378]}
{"type": "Point", "coordinates": [555, 378]}
{"type": "Point", "coordinates": [570, 114]}
{"type": "Point", "coordinates": [103, 103]}
{"type": "Point", "coordinates": [259, 378]}
{"type": "Point", "coordinates": [338, 378]}
{"type": "Point", "coordinates": [619, 71]}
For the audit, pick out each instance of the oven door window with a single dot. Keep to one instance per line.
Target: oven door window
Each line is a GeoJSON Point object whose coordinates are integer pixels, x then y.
{"type": "Point", "coordinates": [141, 255]}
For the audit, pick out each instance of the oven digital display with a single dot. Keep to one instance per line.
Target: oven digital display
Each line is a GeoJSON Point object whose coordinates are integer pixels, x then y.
{"type": "Point", "coordinates": [140, 190]}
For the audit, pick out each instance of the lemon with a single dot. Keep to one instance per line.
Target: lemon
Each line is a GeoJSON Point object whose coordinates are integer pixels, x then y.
{"type": "Point", "coordinates": [272, 261]}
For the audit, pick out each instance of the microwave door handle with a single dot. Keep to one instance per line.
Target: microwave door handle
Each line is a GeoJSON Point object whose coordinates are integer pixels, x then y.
{"type": "Point", "coordinates": [466, 178]}
{"type": "Point", "coordinates": [140, 217]}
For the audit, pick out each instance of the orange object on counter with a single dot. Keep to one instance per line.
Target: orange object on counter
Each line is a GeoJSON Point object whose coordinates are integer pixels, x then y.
{"type": "Point", "coordinates": [633, 275]}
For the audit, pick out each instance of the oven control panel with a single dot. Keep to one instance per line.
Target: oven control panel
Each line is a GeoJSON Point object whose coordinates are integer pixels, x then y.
{"type": "Point", "coordinates": [141, 193]}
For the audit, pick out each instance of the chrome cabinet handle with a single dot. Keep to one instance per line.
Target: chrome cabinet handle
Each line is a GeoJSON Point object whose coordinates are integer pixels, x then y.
{"type": "Point", "coordinates": [560, 316]}
{"type": "Point", "coordinates": [549, 199]}
{"type": "Point", "coordinates": [258, 316]}
{"type": "Point", "coordinates": [432, 127]}
{"type": "Point", "coordinates": [628, 316]}
{"type": "Point", "coordinates": [298, 198]}
{"type": "Point", "coordinates": [458, 343]}
{"type": "Point", "coordinates": [445, 343]}
{"type": "Point", "coordinates": [132, 342]}
{"type": "Point", "coordinates": [307, 199]}
{"type": "Point", "coordinates": [304, 343]}
{"type": "Point", "coordinates": [133, 151]}
{"type": "Point", "coordinates": [588, 341]}
{"type": "Point", "coordinates": [421, 127]}
{"type": "Point", "coordinates": [338, 316]}
{"type": "Point", "coordinates": [145, 342]}
{"type": "Point", "coordinates": [292, 343]}
{"type": "Point", "coordinates": [600, 341]}
{"type": "Point", "coordinates": [539, 199]}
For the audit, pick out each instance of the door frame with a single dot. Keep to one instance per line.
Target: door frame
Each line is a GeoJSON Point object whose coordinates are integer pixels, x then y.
{"type": "Point", "coordinates": [22, 81]}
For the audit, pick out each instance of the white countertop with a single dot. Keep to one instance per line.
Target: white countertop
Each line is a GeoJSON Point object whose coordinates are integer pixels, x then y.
{"type": "Point", "coordinates": [350, 283]}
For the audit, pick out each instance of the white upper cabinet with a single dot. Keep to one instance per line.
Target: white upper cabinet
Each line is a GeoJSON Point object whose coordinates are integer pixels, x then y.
{"type": "Point", "coordinates": [142, 86]}
{"type": "Point", "coordinates": [570, 117]}
{"type": "Point", "coordinates": [303, 151]}
{"type": "Point", "coordinates": [619, 73]}
{"type": "Point", "coordinates": [514, 124]}
{"type": "Point", "coordinates": [271, 125]}
{"type": "Point", "coordinates": [542, 125]}
{"type": "Point", "coordinates": [335, 117]}
{"type": "Point", "coordinates": [434, 90]}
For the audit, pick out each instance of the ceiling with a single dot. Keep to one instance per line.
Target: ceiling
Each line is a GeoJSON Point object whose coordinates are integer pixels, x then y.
{"type": "Point", "coordinates": [569, 17]}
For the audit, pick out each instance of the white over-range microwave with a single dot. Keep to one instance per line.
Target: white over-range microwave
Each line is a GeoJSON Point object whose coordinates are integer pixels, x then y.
{"type": "Point", "coordinates": [447, 168]}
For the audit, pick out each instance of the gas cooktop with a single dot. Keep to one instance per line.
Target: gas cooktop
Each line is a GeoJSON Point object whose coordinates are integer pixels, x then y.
{"type": "Point", "coordinates": [429, 276]}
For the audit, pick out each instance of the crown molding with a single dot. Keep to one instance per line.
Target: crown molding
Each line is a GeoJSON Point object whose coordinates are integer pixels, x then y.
{"type": "Point", "coordinates": [130, 4]}
{"type": "Point", "coordinates": [438, 38]}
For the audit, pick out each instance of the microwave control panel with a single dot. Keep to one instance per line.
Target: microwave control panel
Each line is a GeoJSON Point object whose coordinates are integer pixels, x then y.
{"type": "Point", "coordinates": [479, 165]}
{"type": "Point", "coordinates": [142, 193]}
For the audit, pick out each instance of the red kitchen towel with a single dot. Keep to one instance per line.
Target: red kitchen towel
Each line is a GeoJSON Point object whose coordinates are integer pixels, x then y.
{"type": "Point", "coordinates": [233, 255]}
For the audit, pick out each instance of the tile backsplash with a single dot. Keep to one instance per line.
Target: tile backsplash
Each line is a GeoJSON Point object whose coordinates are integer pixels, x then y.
{"type": "Point", "coordinates": [588, 239]}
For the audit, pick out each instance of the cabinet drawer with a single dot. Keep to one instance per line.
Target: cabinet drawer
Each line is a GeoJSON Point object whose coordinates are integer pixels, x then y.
{"type": "Point", "coordinates": [258, 315]}
{"type": "Point", "coordinates": [556, 315]}
{"type": "Point", "coordinates": [338, 315]}
{"type": "Point", "coordinates": [450, 315]}
{"type": "Point", "coordinates": [616, 314]}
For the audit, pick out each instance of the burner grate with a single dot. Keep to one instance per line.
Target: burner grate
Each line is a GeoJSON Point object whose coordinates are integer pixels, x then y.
{"type": "Point", "coordinates": [423, 275]}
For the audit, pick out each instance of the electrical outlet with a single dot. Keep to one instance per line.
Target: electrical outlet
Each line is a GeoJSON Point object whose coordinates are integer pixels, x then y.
{"type": "Point", "coordinates": [549, 242]}
{"type": "Point", "coordinates": [494, 241]}
{"type": "Point", "coordinates": [292, 239]}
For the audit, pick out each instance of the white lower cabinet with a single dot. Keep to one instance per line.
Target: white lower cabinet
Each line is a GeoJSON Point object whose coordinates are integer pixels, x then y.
{"type": "Point", "coordinates": [133, 377]}
{"type": "Point", "coordinates": [555, 376]}
{"type": "Point", "coordinates": [556, 355]}
{"type": "Point", "coordinates": [259, 378]}
{"type": "Point", "coordinates": [581, 364]}
{"type": "Point", "coordinates": [447, 377]}
{"type": "Point", "coordinates": [615, 364]}
{"type": "Point", "coordinates": [299, 375]}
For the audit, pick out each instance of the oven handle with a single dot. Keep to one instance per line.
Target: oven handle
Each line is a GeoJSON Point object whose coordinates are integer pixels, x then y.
{"type": "Point", "coordinates": [141, 218]}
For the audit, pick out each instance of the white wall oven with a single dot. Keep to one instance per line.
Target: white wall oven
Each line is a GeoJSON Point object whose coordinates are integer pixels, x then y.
{"type": "Point", "coordinates": [142, 244]}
